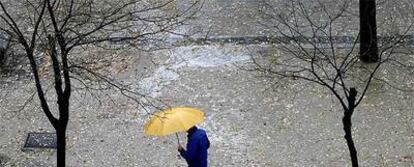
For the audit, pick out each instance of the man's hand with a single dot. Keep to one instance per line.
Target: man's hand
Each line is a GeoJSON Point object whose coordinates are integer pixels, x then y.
{"type": "Point", "coordinates": [180, 148]}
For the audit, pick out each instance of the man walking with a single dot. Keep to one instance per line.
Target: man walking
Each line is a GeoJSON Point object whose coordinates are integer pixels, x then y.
{"type": "Point", "coordinates": [197, 145]}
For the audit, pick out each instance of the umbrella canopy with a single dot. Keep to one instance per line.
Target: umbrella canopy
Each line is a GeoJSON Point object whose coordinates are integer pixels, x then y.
{"type": "Point", "coordinates": [173, 120]}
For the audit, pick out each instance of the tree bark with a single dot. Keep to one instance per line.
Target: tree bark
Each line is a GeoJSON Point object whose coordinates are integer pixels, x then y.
{"type": "Point", "coordinates": [2, 56]}
{"type": "Point", "coordinates": [61, 129]}
{"type": "Point", "coordinates": [61, 146]}
{"type": "Point", "coordinates": [368, 31]}
{"type": "Point", "coordinates": [347, 122]}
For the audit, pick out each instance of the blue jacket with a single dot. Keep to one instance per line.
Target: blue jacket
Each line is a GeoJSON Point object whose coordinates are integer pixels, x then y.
{"type": "Point", "coordinates": [197, 145]}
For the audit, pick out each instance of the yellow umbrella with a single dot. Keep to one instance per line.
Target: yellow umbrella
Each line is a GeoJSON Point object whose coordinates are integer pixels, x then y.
{"type": "Point", "coordinates": [173, 120]}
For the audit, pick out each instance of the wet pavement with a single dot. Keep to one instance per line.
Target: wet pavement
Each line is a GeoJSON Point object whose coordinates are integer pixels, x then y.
{"type": "Point", "coordinates": [249, 122]}
{"type": "Point", "coordinates": [241, 18]}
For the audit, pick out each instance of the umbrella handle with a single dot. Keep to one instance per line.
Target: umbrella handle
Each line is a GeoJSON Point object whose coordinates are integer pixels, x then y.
{"type": "Point", "coordinates": [178, 139]}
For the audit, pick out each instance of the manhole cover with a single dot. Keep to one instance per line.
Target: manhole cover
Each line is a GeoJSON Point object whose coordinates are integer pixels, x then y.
{"type": "Point", "coordinates": [40, 140]}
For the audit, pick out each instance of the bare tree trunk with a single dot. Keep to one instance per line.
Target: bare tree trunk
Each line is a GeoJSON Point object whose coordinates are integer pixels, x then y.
{"type": "Point", "coordinates": [4, 45]}
{"type": "Point", "coordinates": [2, 56]}
{"type": "Point", "coordinates": [61, 146]}
{"type": "Point", "coordinates": [61, 129]}
{"type": "Point", "coordinates": [368, 31]}
{"type": "Point", "coordinates": [347, 122]}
